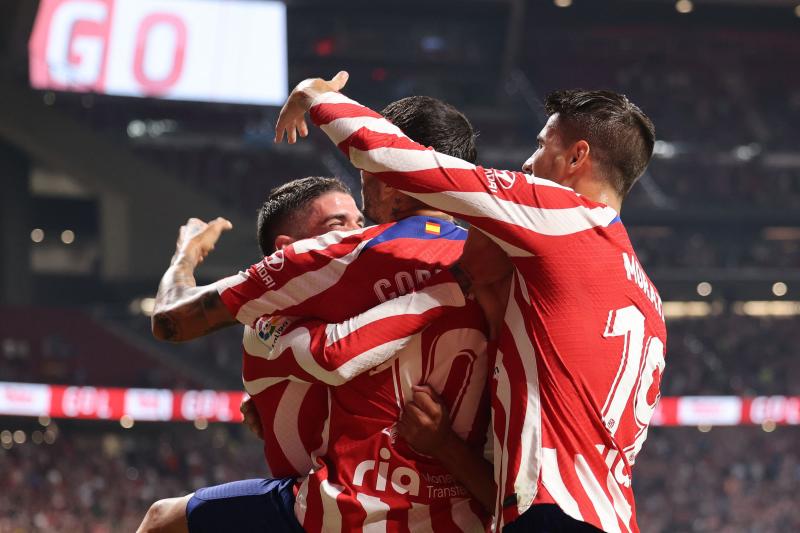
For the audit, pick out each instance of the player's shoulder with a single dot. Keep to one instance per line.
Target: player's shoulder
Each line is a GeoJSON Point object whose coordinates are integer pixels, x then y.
{"type": "Point", "coordinates": [416, 228]}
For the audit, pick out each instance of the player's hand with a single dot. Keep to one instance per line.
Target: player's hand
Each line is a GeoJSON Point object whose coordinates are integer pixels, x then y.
{"type": "Point", "coordinates": [425, 422]}
{"type": "Point", "coordinates": [292, 119]}
{"type": "Point", "coordinates": [251, 418]}
{"type": "Point", "coordinates": [196, 239]}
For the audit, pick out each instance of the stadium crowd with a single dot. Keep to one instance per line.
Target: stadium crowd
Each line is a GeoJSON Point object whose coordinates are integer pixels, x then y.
{"type": "Point", "coordinates": [685, 481]}
{"type": "Point", "coordinates": [94, 477]}
{"type": "Point", "coordinates": [661, 248]}
{"type": "Point", "coordinates": [728, 480]}
{"type": "Point", "coordinates": [732, 355]}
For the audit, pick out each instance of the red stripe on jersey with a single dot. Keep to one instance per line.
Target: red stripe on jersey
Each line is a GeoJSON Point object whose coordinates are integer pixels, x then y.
{"type": "Point", "coordinates": [370, 336]}
{"type": "Point", "coordinates": [247, 290]}
{"type": "Point", "coordinates": [326, 113]}
{"type": "Point", "coordinates": [280, 367]}
{"type": "Point", "coordinates": [278, 464]}
{"type": "Point", "coordinates": [315, 401]}
{"type": "Point", "coordinates": [462, 366]}
{"type": "Point", "coordinates": [368, 140]}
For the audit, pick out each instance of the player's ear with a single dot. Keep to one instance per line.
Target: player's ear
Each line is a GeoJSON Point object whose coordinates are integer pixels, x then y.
{"type": "Point", "coordinates": [579, 154]}
{"type": "Point", "coordinates": [282, 241]}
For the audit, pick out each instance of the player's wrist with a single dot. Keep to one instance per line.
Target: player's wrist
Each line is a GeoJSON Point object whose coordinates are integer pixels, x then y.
{"type": "Point", "coordinates": [187, 257]}
{"type": "Point", "coordinates": [448, 443]}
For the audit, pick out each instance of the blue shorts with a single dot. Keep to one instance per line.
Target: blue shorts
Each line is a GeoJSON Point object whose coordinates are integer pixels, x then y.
{"type": "Point", "coordinates": [251, 505]}
{"type": "Point", "coordinates": [548, 518]}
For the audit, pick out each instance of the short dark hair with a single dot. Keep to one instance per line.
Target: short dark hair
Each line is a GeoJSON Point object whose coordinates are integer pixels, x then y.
{"type": "Point", "coordinates": [434, 123]}
{"type": "Point", "coordinates": [620, 135]}
{"type": "Point", "coordinates": [286, 203]}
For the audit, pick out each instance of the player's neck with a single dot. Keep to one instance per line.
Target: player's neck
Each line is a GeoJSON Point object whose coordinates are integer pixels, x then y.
{"type": "Point", "coordinates": [599, 192]}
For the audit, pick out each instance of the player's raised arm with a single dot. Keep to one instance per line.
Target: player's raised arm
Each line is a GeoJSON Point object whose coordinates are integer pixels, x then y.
{"type": "Point", "coordinates": [290, 280]}
{"type": "Point", "coordinates": [314, 351]}
{"type": "Point", "coordinates": [183, 310]}
{"type": "Point", "coordinates": [518, 210]}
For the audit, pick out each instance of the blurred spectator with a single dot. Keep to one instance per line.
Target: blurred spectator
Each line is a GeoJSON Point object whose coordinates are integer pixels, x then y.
{"type": "Point", "coordinates": [730, 480]}
{"type": "Point", "coordinates": [95, 477]}
{"type": "Point", "coordinates": [732, 355]}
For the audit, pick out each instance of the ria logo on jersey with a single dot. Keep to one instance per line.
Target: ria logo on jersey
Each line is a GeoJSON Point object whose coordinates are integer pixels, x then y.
{"type": "Point", "coordinates": [403, 480]}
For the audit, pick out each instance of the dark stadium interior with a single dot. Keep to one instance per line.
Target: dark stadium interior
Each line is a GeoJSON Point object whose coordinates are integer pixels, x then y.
{"type": "Point", "coordinates": [96, 186]}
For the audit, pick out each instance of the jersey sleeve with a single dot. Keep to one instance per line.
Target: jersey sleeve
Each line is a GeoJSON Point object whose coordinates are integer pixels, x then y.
{"type": "Point", "coordinates": [289, 277]}
{"type": "Point", "coordinates": [521, 212]}
{"type": "Point", "coordinates": [311, 350]}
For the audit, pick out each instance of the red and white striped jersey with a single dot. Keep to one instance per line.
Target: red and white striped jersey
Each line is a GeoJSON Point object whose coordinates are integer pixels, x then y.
{"type": "Point", "coordinates": [287, 363]}
{"type": "Point", "coordinates": [303, 280]}
{"type": "Point", "coordinates": [362, 475]}
{"type": "Point", "coordinates": [580, 356]}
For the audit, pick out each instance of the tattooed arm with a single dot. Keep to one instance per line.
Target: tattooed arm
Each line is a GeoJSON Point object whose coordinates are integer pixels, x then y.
{"type": "Point", "coordinates": [183, 310]}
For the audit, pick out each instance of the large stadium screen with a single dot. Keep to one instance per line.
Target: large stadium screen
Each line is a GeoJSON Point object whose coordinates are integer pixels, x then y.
{"type": "Point", "coordinates": [201, 50]}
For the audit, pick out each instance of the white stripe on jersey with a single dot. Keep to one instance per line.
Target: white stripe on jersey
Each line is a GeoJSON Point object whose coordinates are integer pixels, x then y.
{"type": "Point", "coordinates": [301, 501]}
{"type": "Point", "coordinates": [468, 400]}
{"type": "Point", "coordinates": [500, 461]}
{"type": "Point", "coordinates": [332, 97]}
{"type": "Point", "coordinates": [230, 281]}
{"type": "Point", "coordinates": [621, 505]}
{"type": "Point", "coordinates": [287, 415]}
{"type": "Point", "coordinates": [417, 303]}
{"type": "Point", "coordinates": [376, 513]}
{"type": "Point", "coordinates": [464, 517]}
{"type": "Point", "coordinates": [551, 222]}
{"type": "Point", "coordinates": [301, 287]}
{"type": "Point", "coordinates": [325, 240]}
{"type": "Point", "coordinates": [600, 502]}
{"type": "Point", "coordinates": [419, 517]}
{"type": "Point", "coordinates": [331, 516]}
{"type": "Point", "coordinates": [347, 371]}
{"type": "Point", "coordinates": [551, 477]}
{"type": "Point", "coordinates": [403, 160]}
{"type": "Point", "coordinates": [257, 385]}
{"type": "Point", "coordinates": [530, 446]}
{"type": "Point", "coordinates": [340, 129]}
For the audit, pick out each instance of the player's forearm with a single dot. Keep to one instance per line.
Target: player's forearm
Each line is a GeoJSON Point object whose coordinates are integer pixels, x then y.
{"type": "Point", "coordinates": [182, 310]}
{"type": "Point", "coordinates": [374, 145]}
{"type": "Point", "coordinates": [470, 469]}
{"type": "Point", "coordinates": [336, 353]}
